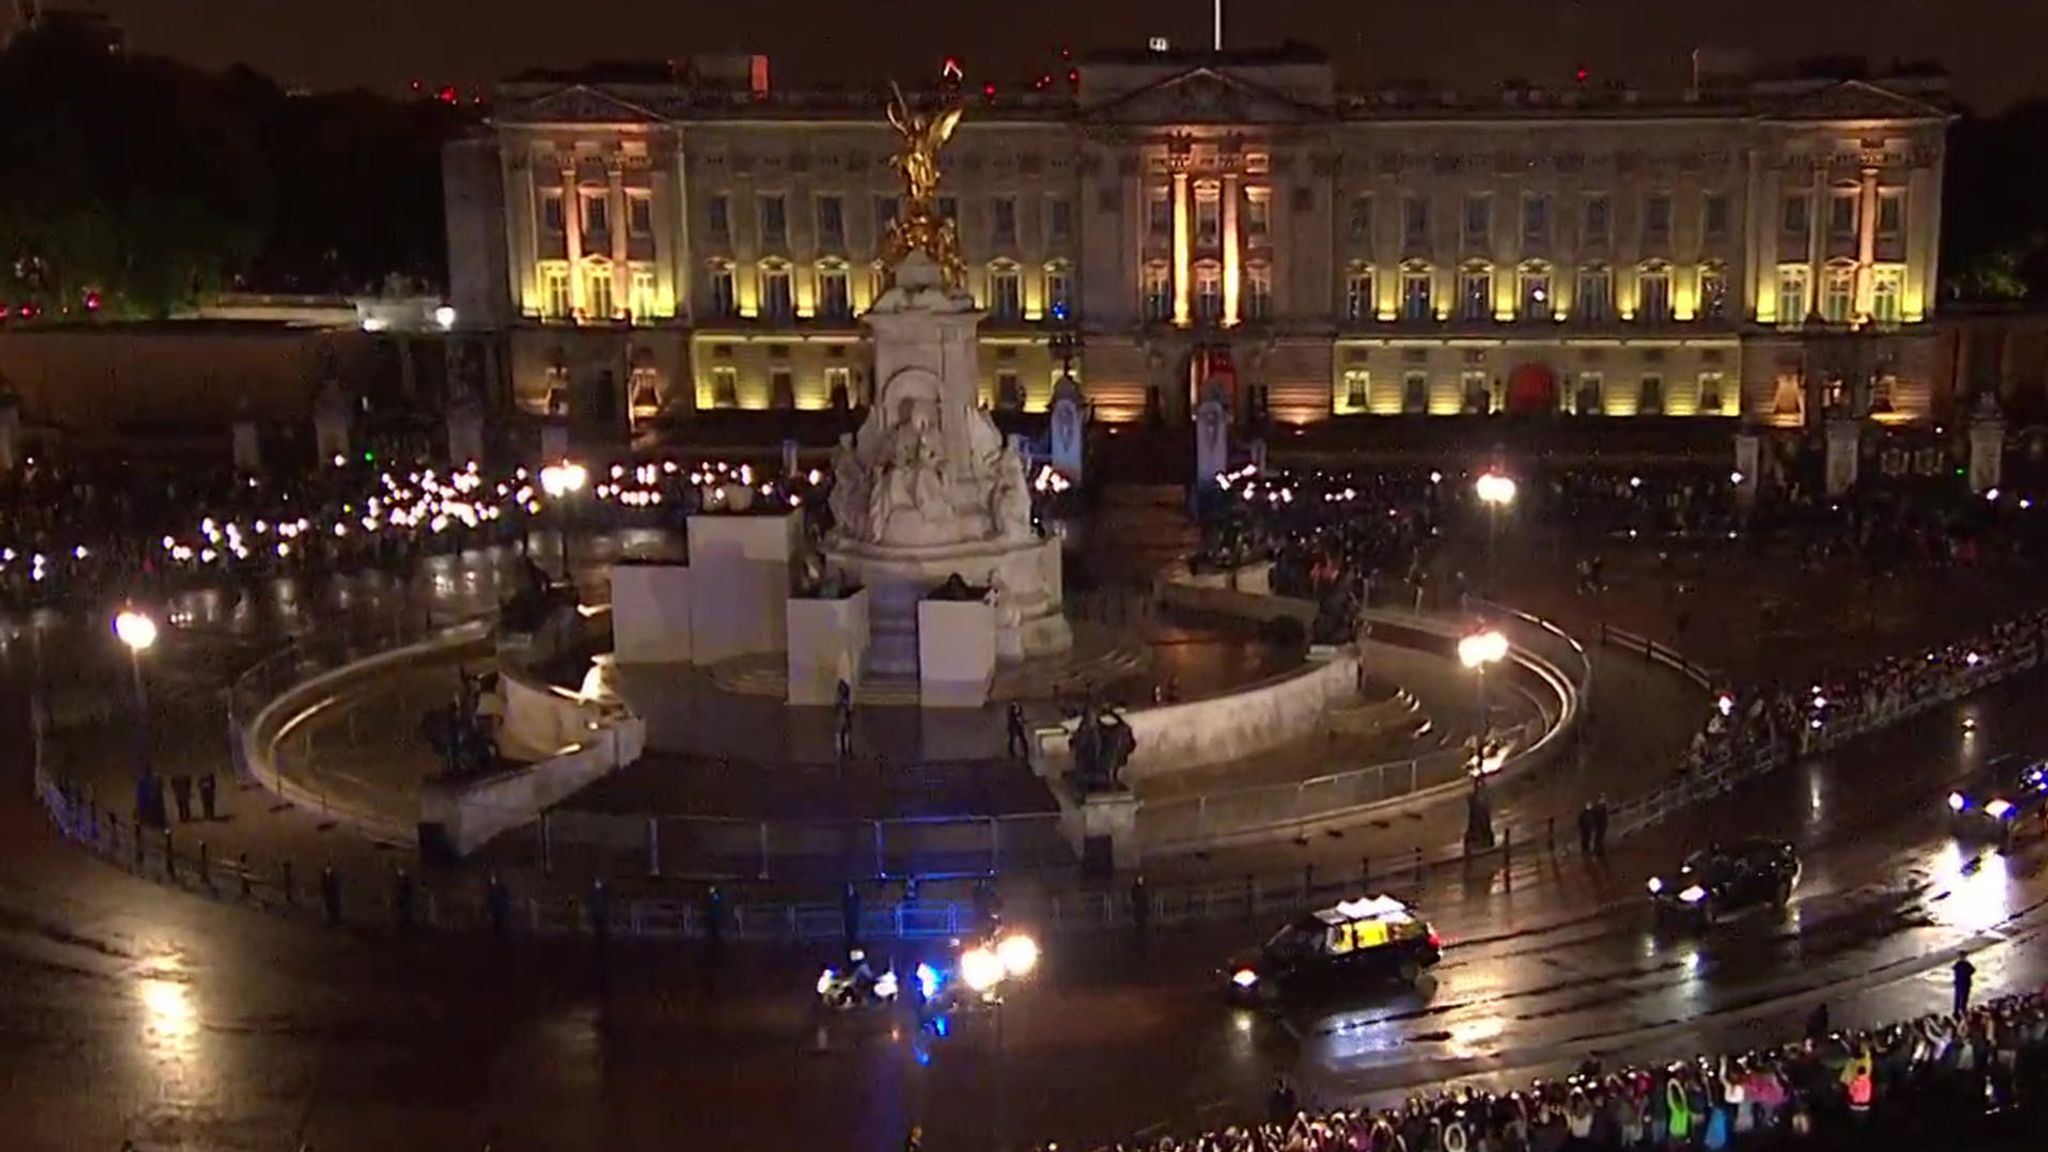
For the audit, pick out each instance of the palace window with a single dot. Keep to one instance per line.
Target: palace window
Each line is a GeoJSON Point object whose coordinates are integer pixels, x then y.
{"type": "Point", "coordinates": [1475, 294]}
{"type": "Point", "coordinates": [778, 300]}
{"type": "Point", "coordinates": [885, 214]}
{"type": "Point", "coordinates": [1536, 218]}
{"type": "Point", "coordinates": [1842, 213]}
{"type": "Point", "coordinates": [774, 221]}
{"type": "Point", "coordinates": [949, 209]}
{"type": "Point", "coordinates": [1891, 213]}
{"type": "Point", "coordinates": [1414, 392]}
{"type": "Point", "coordinates": [1208, 293]}
{"type": "Point", "coordinates": [1003, 221]}
{"type": "Point", "coordinates": [1416, 304]}
{"type": "Point", "coordinates": [1258, 291]}
{"type": "Point", "coordinates": [1792, 294]}
{"type": "Point", "coordinates": [1359, 303]}
{"type": "Point", "coordinates": [1258, 214]}
{"type": "Point", "coordinates": [1208, 216]}
{"type": "Point", "coordinates": [640, 213]}
{"type": "Point", "coordinates": [1599, 218]}
{"type": "Point", "coordinates": [1059, 292]}
{"type": "Point", "coordinates": [1589, 398]}
{"type": "Point", "coordinates": [718, 219]}
{"type": "Point", "coordinates": [640, 295]}
{"type": "Point", "coordinates": [1357, 388]}
{"type": "Point", "coordinates": [1059, 220]}
{"type": "Point", "coordinates": [1361, 219]}
{"type": "Point", "coordinates": [596, 212]}
{"type": "Point", "coordinates": [1596, 293]}
{"type": "Point", "coordinates": [1535, 293]}
{"type": "Point", "coordinates": [1009, 390]}
{"type": "Point", "coordinates": [1657, 217]}
{"type": "Point", "coordinates": [1838, 296]}
{"type": "Point", "coordinates": [1714, 215]}
{"type": "Point", "coordinates": [597, 290]}
{"type": "Point", "coordinates": [551, 211]}
{"type": "Point", "coordinates": [1478, 220]}
{"type": "Point", "coordinates": [1795, 215]}
{"type": "Point", "coordinates": [555, 301]}
{"type": "Point", "coordinates": [725, 301]}
{"type": "Point", "coordinates": [839, 386]}
{"type": "Point", "coordinates": [1713, 393]}
{"type": "Point", "coordinates": [831, 222]}
{"type": "Point", "coordinates": [782, 388]}
{"type": "Point", "coordinates": [1713, 293]}
{"type": "Point", "coordinates": [1158, 290]}
{"type": "Point", "coordinates": [1415, 222]}
{"type": "Point", "coordinates": [1885, 288]}
{"type": "Point", "coordinates": [725, 386]}
{"type": "Point", "coordinates": [1159, 210]}
{"type": "Point", "coordinates": [1653, 294]}
{"type": "Point", "coordinates": [835, 298]}
{"type": "Point", "coordinates": [1005, 292]}
{"type": "Point", "coordinates": [1650, 395]}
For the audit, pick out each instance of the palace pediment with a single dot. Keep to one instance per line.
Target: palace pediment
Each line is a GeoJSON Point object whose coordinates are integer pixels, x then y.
{"type": "Point", "coordinates": [579, 104]}
{"type": "Point", "coordinates": [1205, 95]}
{"type": "Point", "coordinates": [1854, 100]}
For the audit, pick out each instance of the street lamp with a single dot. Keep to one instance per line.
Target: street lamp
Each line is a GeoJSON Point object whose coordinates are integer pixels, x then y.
{"type": "Point", "coordinates": [1496, 492]}
{"type": "Point", "coordinates": [560, 481]}
{"type": "Point", "coordinates": [1476, 652]}
{"type": "Point", "coordinates": [137, 632]}
{"type": "Point", "coordinates": [988, 969]}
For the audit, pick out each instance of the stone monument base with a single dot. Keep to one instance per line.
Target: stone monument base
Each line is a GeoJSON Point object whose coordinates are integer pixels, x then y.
{"type": "Point", "coordinates": [1026, 574]}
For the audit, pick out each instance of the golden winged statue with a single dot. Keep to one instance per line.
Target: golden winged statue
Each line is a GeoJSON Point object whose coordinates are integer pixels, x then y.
{"type": "Point", "coordinates": [920, 227]}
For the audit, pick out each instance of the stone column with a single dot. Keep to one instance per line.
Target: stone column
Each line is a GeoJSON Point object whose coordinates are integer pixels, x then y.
{"type": "Point", "coordinates": [1232, 252]}
{"type": "Point", "coordinates": [1866, 244]}
{"type": "Point", "coordinates": [615, 215]}
{"type": "Point", "coordinates": [572, 236]}
{"type": "Point", "coordinates": [1987, 449]}
{"type": "Point", "coordinates": [1844, 439]}
{"type": "Point", "coordinates": [1816, 238]}
{"type": "Point", "coordinates": [408, 371]}
{"type": "Point", "coordinates": [1182, 248]}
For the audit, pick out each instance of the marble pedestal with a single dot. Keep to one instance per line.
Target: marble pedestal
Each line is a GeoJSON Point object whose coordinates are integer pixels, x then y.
{"type": "Point", "coordinates": [828, 640]}
{"type": "Point", "coordinates": [739, 584]}
{"type": "Point", "coordinates": [651, 613]}
{"type": "Point", "coordinates": [1028, 617]}
{"type": "Point", "coordinates": [956, 653]}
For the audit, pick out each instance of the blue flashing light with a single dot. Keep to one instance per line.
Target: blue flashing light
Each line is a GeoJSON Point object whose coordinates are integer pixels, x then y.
{"type": "Point", "coordinates": [927, 981]}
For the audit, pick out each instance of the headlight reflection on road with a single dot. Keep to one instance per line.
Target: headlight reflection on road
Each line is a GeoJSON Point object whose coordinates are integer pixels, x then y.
{"type": "Point", "coordinates": [1972, 890]}
{"type": "Point", "coordinates": [1475, 1037]}
{"type": "Point", "coordinates": [170, 1020]}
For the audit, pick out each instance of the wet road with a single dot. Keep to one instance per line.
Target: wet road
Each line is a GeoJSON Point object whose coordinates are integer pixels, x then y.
{"type": "Point", "coordinates": [129, 1011]}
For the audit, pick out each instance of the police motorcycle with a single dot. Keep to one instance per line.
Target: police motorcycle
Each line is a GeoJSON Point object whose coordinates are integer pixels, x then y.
{"type": "Point", "coordinates": [857, 985]}
{"type": "Point", "coordinates": [973, 975]}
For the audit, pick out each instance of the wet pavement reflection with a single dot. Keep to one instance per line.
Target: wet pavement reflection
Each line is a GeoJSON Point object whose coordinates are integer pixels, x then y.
{"type": "Point", "coordinates": [132, 1012]}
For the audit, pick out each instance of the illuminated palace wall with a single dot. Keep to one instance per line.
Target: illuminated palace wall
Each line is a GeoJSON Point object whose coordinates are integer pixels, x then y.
{"type": "Point", "coordinates": [1712, 252]}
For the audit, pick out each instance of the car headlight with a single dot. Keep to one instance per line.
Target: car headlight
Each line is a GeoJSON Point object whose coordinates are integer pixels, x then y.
{"type": "Point", "coordinates": [1998, 809]}
{"type": "Point", "coordinates": [1693, 895]}
{"type": "Point", "coordinates": [1956, 802]}
{"type": "Point", "coordinates": [1656, 885]}
{"type": "Point", "coordinates": [1244, 978]}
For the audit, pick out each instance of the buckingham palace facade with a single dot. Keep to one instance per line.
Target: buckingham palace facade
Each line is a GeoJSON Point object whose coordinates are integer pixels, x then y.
{"type": "Point", "coordinates": [1752, 249]}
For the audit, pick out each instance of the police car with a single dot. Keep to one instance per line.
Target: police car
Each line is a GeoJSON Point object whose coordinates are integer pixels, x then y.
{"type": "Point", "coordinates": [1717, 881]}
{"type": "Point", "coordinates": [2008, 790]}
{"type": "Point", "coordinates": [1350, 944]}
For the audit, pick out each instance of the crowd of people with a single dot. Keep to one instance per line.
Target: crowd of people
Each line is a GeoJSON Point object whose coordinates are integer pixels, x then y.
{"type": "Point", "coordinates": [1976, 1077]}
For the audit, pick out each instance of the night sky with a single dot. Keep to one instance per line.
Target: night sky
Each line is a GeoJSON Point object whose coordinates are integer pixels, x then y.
{"type": "Point", "coordinates": [1990, 46]}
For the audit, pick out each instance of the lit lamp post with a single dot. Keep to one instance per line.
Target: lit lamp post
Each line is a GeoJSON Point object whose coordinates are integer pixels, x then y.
{"type": "Point", "coordinates": [560, 481]}
{"type": "Point", "coordinates": [1496, 492]}
{"type": "Point", "coordinates": [1476, 652]}
{"type": "Point", "coordinates": [137, 632]}
{"type": "Point", "coordinates": [988, 970]}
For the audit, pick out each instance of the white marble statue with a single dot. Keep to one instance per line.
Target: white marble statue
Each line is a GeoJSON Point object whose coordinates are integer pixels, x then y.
{"type": "Point", "coordinates": [1010, 502]}
{"type": "Point", "coordinates": [909, 494]}
{"type": "Point", "coordinates": [849, 498]}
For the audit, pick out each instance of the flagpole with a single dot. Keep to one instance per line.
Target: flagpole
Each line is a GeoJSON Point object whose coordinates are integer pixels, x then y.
{"type": "Point", "coordinates": [1218, 45]}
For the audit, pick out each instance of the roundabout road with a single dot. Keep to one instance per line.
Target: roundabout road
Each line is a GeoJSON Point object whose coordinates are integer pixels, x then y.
{"type": "Point", "coordinates": [134, 1012]}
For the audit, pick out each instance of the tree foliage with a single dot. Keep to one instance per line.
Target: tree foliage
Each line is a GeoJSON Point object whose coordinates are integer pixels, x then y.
{"type": "Point", "coordinates": [149, 184]}
{"type": "Point", "coordinates": [1994, 219]}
